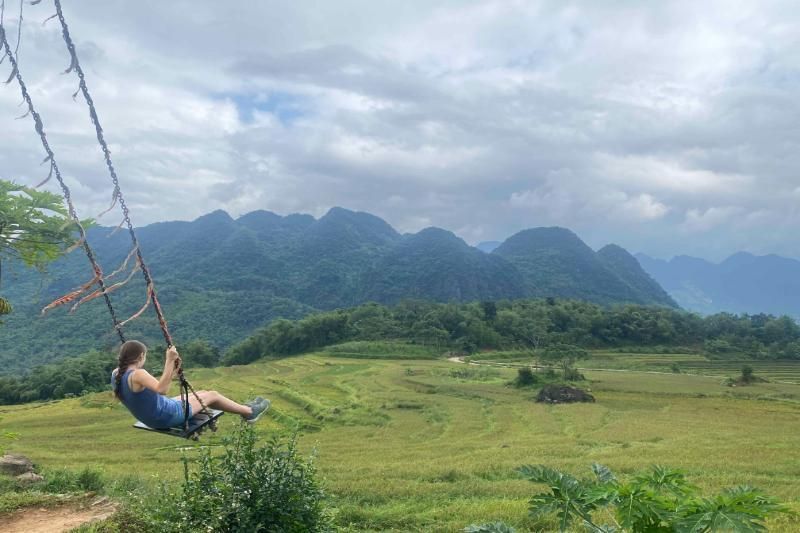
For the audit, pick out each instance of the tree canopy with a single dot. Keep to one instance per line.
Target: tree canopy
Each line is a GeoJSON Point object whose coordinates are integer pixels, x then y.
{"type": "Point", "coordinates": [35, 228]}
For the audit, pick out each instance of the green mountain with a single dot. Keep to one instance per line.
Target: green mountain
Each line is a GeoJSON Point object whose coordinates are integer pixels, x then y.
{"type": "Point", "coordinates": [220, 278]}
{"type": "Point", "coordinates": [434, 264]}
{"type": "Point", "coordinates": [556, 263]}
{"type": "Point", "coordinates": [621, 262]}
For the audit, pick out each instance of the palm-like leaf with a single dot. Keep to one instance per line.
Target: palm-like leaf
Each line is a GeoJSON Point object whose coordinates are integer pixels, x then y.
{"type": "Point", "coordinates": [569, 498]}
{"type": "Point", "coordinates": [742, 509]}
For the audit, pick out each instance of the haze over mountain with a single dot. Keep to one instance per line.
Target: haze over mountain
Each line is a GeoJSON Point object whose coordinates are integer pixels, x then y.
{"type": "Point", "coordinates": [742, 283]}
{"type": "Point", "coordinates": [220, 278]}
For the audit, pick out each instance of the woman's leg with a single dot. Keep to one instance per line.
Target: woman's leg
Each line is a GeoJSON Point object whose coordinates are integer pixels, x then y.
{"type": "Point", "coordinates": [215, 400]}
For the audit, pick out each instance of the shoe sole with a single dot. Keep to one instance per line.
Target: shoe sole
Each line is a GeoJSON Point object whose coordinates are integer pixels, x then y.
{"type": "Point", "coordinates": [254, 420]}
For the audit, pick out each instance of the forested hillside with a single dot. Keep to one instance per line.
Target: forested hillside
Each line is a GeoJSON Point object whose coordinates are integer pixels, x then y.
{"type": "Point", "coordinates": [419, 330]}
{"type": "Point", "coordinates": [220, 278]}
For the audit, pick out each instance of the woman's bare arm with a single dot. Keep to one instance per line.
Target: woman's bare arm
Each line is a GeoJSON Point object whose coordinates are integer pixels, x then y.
{"type": "Point", "coordinates": [144, 379]}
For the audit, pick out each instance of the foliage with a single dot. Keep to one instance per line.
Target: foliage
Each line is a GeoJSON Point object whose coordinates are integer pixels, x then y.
{"type": "Point", "coordinates": [61, 481]}
{"type": "Point", "coordinates": [566, 355]}
{"type": "Point", "coordinates": [657, 500]}
{"type": "Point", "coordinates": [248, 488]}
{"type": "Point", "coordinates": [525, 377]}
{"type": "Point", "coordinates": [34, 225]}
{"type": "Point", "coordinates": [221, 279]}
{"type": "Point", "coordinates": [199, 353]}
{"type": "Point", "coordinates": [90, 372]}
{"type": "Point", "coordinates": [560, 332]}
{"type": "Point", "coordinates": [34, 228]}
{"type": "Point", "coordinates": [125, 520]}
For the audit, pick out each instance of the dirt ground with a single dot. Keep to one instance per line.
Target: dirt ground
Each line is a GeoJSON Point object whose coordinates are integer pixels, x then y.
{"type": "Point", "coordinates": [54, 519]}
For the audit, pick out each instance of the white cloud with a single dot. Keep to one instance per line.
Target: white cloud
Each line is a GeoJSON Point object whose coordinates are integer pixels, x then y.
{"type": "Point", "coordinates": [697, 220]}
{"type": "Point", "coordinates": [485, 117]}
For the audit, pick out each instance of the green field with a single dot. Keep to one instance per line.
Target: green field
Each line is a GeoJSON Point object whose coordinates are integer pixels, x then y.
{"type": "Point", "coordinates": [431, 445]}
{"type": "Point", "coordinates": [775, 371]}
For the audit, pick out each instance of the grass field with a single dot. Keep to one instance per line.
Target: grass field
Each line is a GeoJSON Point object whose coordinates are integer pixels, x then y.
{"type": "Point", "coordinates": [431, 445]}
{"type": "Point", "coordinates": [777, 371]}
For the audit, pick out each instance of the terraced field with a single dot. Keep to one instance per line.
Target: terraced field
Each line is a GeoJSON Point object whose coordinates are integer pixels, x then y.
{"type": "Point", "coordinates": [776, 371]}
{"type": "Point", "coordinates": [431, 445]}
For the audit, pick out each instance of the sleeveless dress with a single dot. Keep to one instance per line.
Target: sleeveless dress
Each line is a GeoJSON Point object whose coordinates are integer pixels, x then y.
{"type": "Point", "coordinates": [155, 410]}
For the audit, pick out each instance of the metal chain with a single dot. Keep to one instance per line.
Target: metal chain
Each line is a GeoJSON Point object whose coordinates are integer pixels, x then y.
{"type": "Point", "coordinates": [117, 194]}
{"type": "Point", "coordinates": [39, 126]}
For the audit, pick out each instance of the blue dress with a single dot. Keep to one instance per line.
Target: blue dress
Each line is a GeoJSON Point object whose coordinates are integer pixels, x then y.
{"type": "Point", "coordinates": [155, 410]}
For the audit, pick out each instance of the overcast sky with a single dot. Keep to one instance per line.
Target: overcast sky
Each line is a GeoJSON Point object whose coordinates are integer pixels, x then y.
{"type": "Point", "coordinates": [666, 127]}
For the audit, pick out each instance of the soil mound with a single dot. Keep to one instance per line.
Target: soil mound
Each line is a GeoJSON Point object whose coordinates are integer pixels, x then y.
{"type": "Point", "coordinates": [563, 394]}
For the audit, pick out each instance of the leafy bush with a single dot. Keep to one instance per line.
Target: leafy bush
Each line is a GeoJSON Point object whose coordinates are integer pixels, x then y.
{"type": "Point", "coordinates": [248, 488]}
{"type": "Point", "coordinates": [60, 481]}
{"type": "Point", "coordinates": [659, 500]}
{"type": "Point", "coordinates": [125, 520]}
{"type": "Point", "coordinates": [525, 377]}
{"type": "Point", "coordinates": [572, 374]}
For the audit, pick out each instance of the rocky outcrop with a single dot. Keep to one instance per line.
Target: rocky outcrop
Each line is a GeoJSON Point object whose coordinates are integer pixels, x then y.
{"type": "Point", "coordinates": [15, 465]}
{"type": "Point", "coordinates": [563, 394]}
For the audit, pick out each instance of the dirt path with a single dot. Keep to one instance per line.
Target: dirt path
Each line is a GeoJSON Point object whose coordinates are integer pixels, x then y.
{"type": "Point", "coordinates": [54, 519]}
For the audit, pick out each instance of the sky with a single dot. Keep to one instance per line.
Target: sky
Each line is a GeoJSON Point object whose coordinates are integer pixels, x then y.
{"type": "Point", "coordinates": [666, 127]}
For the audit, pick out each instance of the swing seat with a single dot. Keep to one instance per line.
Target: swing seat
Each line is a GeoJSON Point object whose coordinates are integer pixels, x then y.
{"type": "Point", "coordinates": [197, 424]}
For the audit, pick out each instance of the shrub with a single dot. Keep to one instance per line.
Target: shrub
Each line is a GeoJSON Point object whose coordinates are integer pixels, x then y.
{"type": "Point", "coordinates": [59, 481]}
{"type": "Point", "coordinates": [572, 374]}
{"type": "Point", "coordinates": [659, 500]}
{"type": "Point", "coordinates": [676, 369]}
{"type": "Point", "coordinates": [525, 377]}
{"type": "Point", "coordinates": [248, 488]}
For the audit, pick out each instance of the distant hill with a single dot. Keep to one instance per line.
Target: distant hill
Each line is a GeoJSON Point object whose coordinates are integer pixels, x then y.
{"type": "Point", "coordinates": [624, 265]}
{"type": "Point", "coordinates": [435, 264]}
{"type": "Point", "coordinates": [743, 283]}
{"type": "Point", "coordinates": [555, 262]}
{"type": "Point", "coordinates": [221, 278]}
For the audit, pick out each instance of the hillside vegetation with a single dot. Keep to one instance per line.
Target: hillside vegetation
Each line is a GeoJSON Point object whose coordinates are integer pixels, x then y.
{"type": "Point", "coordinates": [526, 328]}
{"type": "Point", "coordinates": [221, 278]}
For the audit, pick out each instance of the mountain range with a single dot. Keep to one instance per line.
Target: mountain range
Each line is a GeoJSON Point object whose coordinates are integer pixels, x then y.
{"type": "Point", "coordinates": [742, 283]}
{"type": "Point", "coordinates": [219, 278]}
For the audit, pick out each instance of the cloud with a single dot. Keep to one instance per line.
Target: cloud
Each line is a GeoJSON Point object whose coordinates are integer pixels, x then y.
{"type": "Point", "coordinates": [660, 126]}
{"type": "Point", "coordinates": [703, 220]}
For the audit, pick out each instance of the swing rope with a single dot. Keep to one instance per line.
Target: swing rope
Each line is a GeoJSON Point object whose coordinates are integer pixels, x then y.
{"type": "Point", "coordinates": [186, 387]}
{"type": "Point", "coordinates": [54, 170]}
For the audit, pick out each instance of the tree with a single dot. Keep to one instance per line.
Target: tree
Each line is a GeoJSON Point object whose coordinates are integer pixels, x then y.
{"type": "Point", "coordinates": [200, 353]}
{"type": "Point", "coordinates": [35, 228]}
{"type": "Point", "coordinates": [566, 355]}
{"type": "Point", "coordinates": [489, 310]}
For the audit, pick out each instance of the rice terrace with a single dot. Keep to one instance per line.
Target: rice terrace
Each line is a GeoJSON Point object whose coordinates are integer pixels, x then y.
{"type": "Point", "coordinates": [228, 302]}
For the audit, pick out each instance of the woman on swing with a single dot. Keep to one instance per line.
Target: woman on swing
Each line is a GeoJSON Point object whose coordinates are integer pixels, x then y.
{"type": "Point", "coordinates": [145, 396]}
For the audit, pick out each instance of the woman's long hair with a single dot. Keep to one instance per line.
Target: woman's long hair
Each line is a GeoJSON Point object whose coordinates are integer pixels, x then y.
{"type": "Point", "coordinates": [129, 353]}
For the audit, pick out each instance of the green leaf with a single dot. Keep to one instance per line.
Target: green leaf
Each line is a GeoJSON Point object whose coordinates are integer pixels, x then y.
{"type": "Point", "coordinates": [603, 473]}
